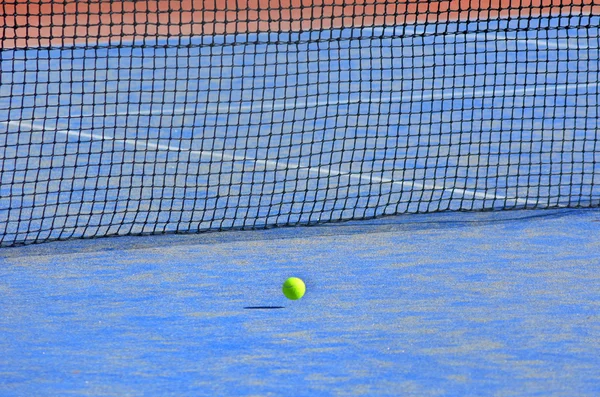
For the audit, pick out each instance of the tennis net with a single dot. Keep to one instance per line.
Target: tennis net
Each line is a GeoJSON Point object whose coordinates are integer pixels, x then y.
{"type": "Point", "coordinates": [144, 117]}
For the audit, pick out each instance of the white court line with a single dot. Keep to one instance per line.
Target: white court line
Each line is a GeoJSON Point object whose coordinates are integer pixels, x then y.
{"type": "Point", "coordinates": [276, 165]}
{"type": "Point", "coordinates": [440, 95]}
{"type": "Point", "coordinates": [549, 43]}
{"type": "Point", "coordinates": [553, 43]}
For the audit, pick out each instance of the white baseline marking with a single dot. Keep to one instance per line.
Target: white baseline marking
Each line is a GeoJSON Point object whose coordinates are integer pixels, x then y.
{"type": "Point", "coordinates": [275, 165]}
{"type": "Point", "coordinates": [422, 96]}
{"type": "Point", "coordinates": [553, 43]}
{"type": "Point", "coordinates": [490, 37]}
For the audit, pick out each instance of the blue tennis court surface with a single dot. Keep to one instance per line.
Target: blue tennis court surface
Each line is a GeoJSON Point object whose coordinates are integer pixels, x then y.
{"type": "Point", "coordinates": [190, 134]}
{"type": "Point", "coordinates": [246, 131]}
{"type": "Point", "coordinates": [486, 304]}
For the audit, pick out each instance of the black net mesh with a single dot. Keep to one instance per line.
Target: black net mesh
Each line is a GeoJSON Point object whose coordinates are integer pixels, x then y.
{"type": "Point", "coordinates": [144, 117]}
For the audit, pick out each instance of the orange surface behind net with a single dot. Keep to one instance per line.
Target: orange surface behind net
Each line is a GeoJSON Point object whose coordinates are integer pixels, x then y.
{"type": "Point", "coordinates": [63, 22]}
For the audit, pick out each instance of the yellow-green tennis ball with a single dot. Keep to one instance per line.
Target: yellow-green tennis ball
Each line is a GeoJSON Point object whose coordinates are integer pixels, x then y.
{"type": "Point", "coordinates": [294, 288]}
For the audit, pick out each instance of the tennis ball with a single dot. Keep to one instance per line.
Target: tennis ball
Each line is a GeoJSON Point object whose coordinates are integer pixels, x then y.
{"type": "Point", "coordinates": [294, 288]}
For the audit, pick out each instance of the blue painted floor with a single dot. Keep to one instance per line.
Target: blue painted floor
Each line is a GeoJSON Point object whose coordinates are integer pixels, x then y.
{"type": "Point", "coordinates": [250, 131]}
{"type": "Point", "coordinates": [503, 303]}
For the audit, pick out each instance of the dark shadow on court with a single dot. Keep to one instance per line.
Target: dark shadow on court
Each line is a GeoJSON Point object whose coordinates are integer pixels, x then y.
{"type": "Point", "coordinates": [264, 307]}
{"type": "Point", "coordinates": [385, 224]}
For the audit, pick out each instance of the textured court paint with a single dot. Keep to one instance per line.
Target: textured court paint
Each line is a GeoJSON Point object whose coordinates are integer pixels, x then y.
{"type": "Point", "coordinates": [423, 305]}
